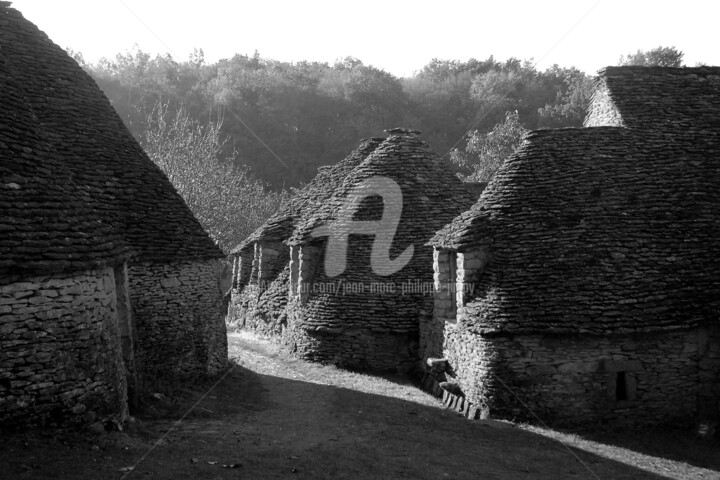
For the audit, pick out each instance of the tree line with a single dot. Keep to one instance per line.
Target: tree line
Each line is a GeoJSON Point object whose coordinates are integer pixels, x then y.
{"type": "Point", "coordinates": [269, 125]}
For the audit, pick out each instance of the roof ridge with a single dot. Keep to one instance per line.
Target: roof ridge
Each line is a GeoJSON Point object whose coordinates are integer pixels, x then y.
{"type": "Point", "coordinates": [668, 98]}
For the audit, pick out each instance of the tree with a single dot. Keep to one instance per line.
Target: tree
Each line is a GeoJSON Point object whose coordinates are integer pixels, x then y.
{"type": "Point", "coordinates": [288, 119]}
{"type": "Point", "coordinates": [504, 88]}
{"type": "Point", "coordinates": [574, 92]}
{"type": "Point", "coordinates": [486, 152]}
{"type": "Point", "coordinates": [439, 100]}
{"type": "Point", "coordinates": [657, 57]}
{"type": "Point", "coordinates": [227, 200]}
{"type": "Point", "coordinates": [518, 86]}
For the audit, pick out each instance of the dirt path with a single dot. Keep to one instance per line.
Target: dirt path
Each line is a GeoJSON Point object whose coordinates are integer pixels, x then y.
{"type": "Point", "coordinates": [275, 417]}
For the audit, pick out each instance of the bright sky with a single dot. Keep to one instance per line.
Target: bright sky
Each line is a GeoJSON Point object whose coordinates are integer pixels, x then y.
{"type": "Point", "coordinates": [397, 36]}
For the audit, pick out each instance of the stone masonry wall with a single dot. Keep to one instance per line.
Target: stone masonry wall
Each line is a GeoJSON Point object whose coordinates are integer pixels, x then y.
{"type": "Point", "coordinates": [60, 354]}
{"type": "Point", "coordinates": [353, 326]}
{"type": "Point", "coordinates": [570, 380]}
{"type": "Point", "coordinates": [453, 284]}
{"type": "Point", "coordinates": [262, 312]}
{"type": "Point", "coordinates": [259, 305]}
{"type": "Point", "coordinates": [362, 349]}
{"type": "Point", "coordinates": [432, 326]}
{"type": "Point", "coordinates": [666, 376]}
{"type": "Point", "coordinates": [358, 319]}
{"type": "Point", "coordinates": [179, 318]}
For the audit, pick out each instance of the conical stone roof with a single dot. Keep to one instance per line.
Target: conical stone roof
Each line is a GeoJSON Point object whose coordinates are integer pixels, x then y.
{"type": "Point", "coordinates": [428, 195]}
{"type": "Point", "coordinates": [57, 116]}
{"type": "Point", "coordinates": [597, 230]}
{"type": "Point", "coordinates": [45, 223]}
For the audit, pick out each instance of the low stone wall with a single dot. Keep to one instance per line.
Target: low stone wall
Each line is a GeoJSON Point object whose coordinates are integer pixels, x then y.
{"type": "Point", "coordinates": [262, 312]}
{"type": "Point", "coordinates": [60, 354]}
{"type": "Point", "coordinates": [362, 349]}
{"type": "Point", "coordinates": [179, 318]}
{"type": "Point", "coordinates": [649, 378]}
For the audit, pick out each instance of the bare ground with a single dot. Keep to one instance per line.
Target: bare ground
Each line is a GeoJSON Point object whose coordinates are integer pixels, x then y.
{"type": "Point", "coordinates": [272, 416]}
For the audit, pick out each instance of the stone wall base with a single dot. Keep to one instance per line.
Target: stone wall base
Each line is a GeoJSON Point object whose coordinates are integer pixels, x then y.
{"type": "Point", "coordinates": [640, 379]}
{"type": "Point", "coordinates": [60, 355]}
{"type": "Point", "coordinates": [180, 319]}
{"type": "Point", "coordinates": [360, 349]}
{"type": "Point", "coordinates": [262, 313]}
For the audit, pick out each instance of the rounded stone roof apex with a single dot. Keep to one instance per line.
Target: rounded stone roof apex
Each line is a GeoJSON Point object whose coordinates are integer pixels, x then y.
{"type": "Point", "coordinates": [402, 131]}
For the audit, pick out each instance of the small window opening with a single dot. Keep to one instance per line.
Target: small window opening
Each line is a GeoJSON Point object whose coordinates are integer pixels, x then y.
{"type": "Point", "coordinates": [621, 390]}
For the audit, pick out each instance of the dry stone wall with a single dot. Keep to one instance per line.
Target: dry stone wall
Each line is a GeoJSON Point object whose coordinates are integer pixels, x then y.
{"type": "Point", "coordinates": [60, 354]}
{"type": "Point", "coordinates": [432, 323]}
{"type": "Point", "coordinates": [574, 379]}
{"type": "Point", "coordinates": [363, 349]}
{"type": "Point", "coordinates": [358, 319]}
{"type": "Point", "coordinates": [661, 377]}
{"type": "Point", "coordinates": [259, 304]}
{"type": "Point", "coordinates": [179, 318]}
{"type": "Point", "coordinates": [455, 276]}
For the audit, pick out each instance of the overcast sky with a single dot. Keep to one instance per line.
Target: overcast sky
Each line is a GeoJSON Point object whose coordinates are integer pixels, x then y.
{"type": "Point", "coordinates": [397, 36]}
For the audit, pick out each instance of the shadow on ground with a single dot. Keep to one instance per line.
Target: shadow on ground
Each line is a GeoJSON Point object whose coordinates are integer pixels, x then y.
{"type": "Point", "coordinates": [270, 417]}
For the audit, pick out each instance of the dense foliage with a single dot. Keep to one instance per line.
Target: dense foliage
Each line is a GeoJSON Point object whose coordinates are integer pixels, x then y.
{"type": "Point", "coordinates": [657, 57]}
{"type": "Point", "coordinates": [284, 120]}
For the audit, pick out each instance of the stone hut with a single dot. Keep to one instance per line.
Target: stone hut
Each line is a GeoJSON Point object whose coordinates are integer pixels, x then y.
{"type": "Point", "coordinates": [261, 263]}
{"type": "Point", "coordinates": [106, 278]}
{"type": "Point", "coordinates": [584, 285]}
{"type": "Point", "coordinates": [341, 305]}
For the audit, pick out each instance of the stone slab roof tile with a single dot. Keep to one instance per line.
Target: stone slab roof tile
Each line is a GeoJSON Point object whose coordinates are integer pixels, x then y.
{"type": "Point", "coordinates": [429, 189]}
{"type": "Point", "coordinates": [73, 129]}
{"type": "Point", "coordinates": [430, 195]}
{"type": "Point", "coordinates": [657, 97]}
{"type": "Point", "coordinates": [597, 230]}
